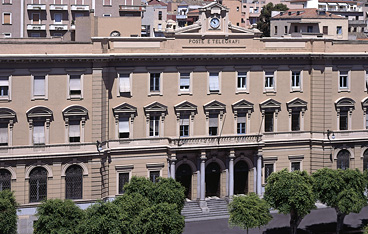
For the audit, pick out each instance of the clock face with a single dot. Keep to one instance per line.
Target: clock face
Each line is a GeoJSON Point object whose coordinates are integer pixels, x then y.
{"type": "Point", "coordinates": [215, 23]}
{"type": "Point", "coordinates": [115, 34]}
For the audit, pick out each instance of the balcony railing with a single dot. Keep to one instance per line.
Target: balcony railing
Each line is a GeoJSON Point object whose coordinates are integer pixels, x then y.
{"type": "Point", "coordinates": [80, 7]}
{"type": "Point", "coordinates": [58, 7]}
{"type": "Point", "coordinates": [357, 22]}
{"type": "Point", "coordinates": [58, 27]}
{"type": "Point", "coordinates": [36, 27]}
{"type": "Point", "coordinates": [36, 7]}
{"type": "Point", "coordinates": [181, 17]}
{"type": "Point", "coordinates": [216, 140]}
{"type": "Point", "coordinates": [131, 8]}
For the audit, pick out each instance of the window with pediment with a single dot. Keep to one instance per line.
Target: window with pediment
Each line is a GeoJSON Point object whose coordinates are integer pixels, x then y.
{"type": "Point", "coordinates": [242, 112]}
{"type": "Point", "coordinates": [7, 119]}
{"type": "Point", "coordinates": [270, 109]}
{"type": "Point", "coordinates": [75, 119]}
{"type": "Point", "coordinates": [39, 119]}
{"type": "Point", "coordinates": [185, 112]}
{"type": "Point", "coordinates": [296, 109]}
{"type": "Point", "coordinates": [365, 113]}
{"type": "Point", "coordinates": [214, 111]}
{"type": "Point", "coordinates": [124, 118]}
{"type": "Point", "coordinates": [344, 109]}
{"type": "Point", "coordinates": [155, 119]}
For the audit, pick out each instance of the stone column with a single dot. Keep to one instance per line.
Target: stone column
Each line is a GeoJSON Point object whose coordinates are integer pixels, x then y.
{"type": "Point", "coordinates": [172, 168]}
{"type": "Point", "coordinates": [231, 172]}
{"type": "Point", "coordinates": [203, 172]}
{"type": "Point", "coordinates": [168, 167]}
{"type": "Point", "coordinates": [255, 174]}
{"type": "Point", "coordinates": [259, 174]}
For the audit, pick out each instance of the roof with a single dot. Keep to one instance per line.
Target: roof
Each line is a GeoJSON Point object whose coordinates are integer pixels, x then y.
{"type": "Point", "coordinates": [156, 2]}
{"type": "Point", "coordinates": [306, 13]}
{"type": "Point", "coordinates": [327, 1]}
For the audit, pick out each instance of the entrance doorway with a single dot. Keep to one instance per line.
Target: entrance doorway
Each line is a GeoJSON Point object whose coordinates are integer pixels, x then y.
{"type": "Point", "coordinates": [213, 173]}
{"type": "Point", "coordinates": [241, 178]}
{"type": "Point", "coordinates": [184, 176]}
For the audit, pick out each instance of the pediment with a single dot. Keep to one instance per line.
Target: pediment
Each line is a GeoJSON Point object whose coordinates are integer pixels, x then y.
{"type": "Point", "coordinates": [124, 108]}
{"type": "Point", "coordinates": [270, 103]}
{"type": "Point", "coordinates": [194, 28]}
{"type": "Point", "coordinates": [75, 110]}
{"type": "Point", "coordinates": [6, 113]}
{"type": "Point", "coordinates": [39, 111]}
{"type": "Point", "coordinates": [245, 31]}
{"type": "Point", "coordinates": [214, 7]}
{"type": "Point", "coordinates": [345, 102]}
{"type": "Point", "coordinates": [297, 103]}
{"type": "Point", "coordinates": [185, 106]}
{"type": "Point", "coordinates": [155, 107]}
{"type": "Point", "coordinates": [214, 105]}
{"type": "Point", "coordinates": [242, 105]}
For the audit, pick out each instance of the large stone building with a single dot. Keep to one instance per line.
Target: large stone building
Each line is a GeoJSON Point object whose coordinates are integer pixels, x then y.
{"type": "Point", "coordinates": [212, 104]}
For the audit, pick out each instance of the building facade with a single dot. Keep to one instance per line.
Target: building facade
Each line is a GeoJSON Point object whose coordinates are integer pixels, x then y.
{"type": "Point", "coordinates": [212, 105]}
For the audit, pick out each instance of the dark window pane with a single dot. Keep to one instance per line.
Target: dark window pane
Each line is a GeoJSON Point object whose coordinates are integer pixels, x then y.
{"type": "Point", "coordinates": [268, 170]}
{"type": "Point", "coordinates": [365, 160]}
{"type": "Point", "coordinates": [38, 184]}
{"type": "Point", "coordinates": [343, 120]}
{"type": "Point", "coordinates": [5, 180]}
{"type": "Point", "coordinates": [74, 182]}
{"type": "Point", "coordinates": [343, 158]}
{"type": "Point", "coordinates": [295, 121]}
{"type": "Point", "coordinates": [295, 166]}
{"type": "Point", "coordinates": [269, 122]}
{"type": "Point", "coordinates": [154, 175]}
{"type": "Point", "coordinates": [123, 179]}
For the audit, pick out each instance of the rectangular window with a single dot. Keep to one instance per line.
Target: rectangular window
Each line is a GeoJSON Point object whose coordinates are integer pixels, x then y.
{"type": "Point", "coordinates": [343, 80]}
{"type": "Point", "coordinates": [325, 30]}
{"type": "Point", "coordinates": [295, 166]}
{"type": "Point", "coordinates": [268, 121]}
{"type": "Point", "coordinates": [58, 18]}
{"type": "Point", "coordinates": [242, 80]}
{"type": "Point", "coordinates": [285, 30]}
{"type": "Point", "coordinates": [214, 82]}
{"type": "Point", "coordinates": [241, 124]}
{"type": "Point", "coordinates": [123, 179]}
{"type": "Point", "coordinates": [3, 134]}
{"type": "Point", "coordinates": [343, 120]}
{"type": "Point", "coordinates": [295, 121]}
{"type": "Point", "coordinates": [7, 35]}
{"type": "Point", "coordinates": [75, 86]}
{"type": "Point", "coordinates": [309, 29]}
{"type": "Point", "coordinates": [124, 83]}
{"type": "Point", "coordinates": [269, 80]}
{"type": "Point", "coordinates": [339, 30]}
{"type": "Point", "coordinates": [268, 171]}
{"type": "Point", "coordinates": [296, 29]}
{"type": "Point", "coordinates": [39, 86]}
{"type": "Point", "coordinates": [106, 15]}
{"type": "Point", "coordinates": [155, 82]}
{"type": "Point", "coordinates": [7, 18]}
{"type": "Point", "coordinates": [107, 2]}
{"type": "Point", "coordinates": [295, 80]}
{"type": "Point", "coordinates": [213, 125]}
{"type": "Point", "coordinates": [154, 175]}
{"type": "Point", "coordinates": [4, 87]}
{"type": "Point", "coordinates": [124, 127]}
{"type": "Point", "coordinates": [184, 126]}
{"type": "Point", "coordinates": [366, 120]}
{"type": "Point", "coordinates": [184, 82]}
{"type": "Point", "coordinates": [36, 18]}
{"type": "Point", "coordinates": [160, 15]}
{"type": "Point", "coordinates": [7, 2]}
{"type": "Point", "coordinates": [154, 125]}
{"type": "Point", "coordinates": [35, 35]}
{"type": "Point", "coordinates": [38, 133]}
{"type": "Point", "coordinates": [74, 131]}
{"type": "Point", "coordinates": [275, 30]}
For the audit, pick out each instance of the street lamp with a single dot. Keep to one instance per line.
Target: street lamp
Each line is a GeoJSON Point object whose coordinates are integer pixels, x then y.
{"type": "Point", "coordinates": [332, 134]}
{"type": "Point", "coordinates": [98, 146]}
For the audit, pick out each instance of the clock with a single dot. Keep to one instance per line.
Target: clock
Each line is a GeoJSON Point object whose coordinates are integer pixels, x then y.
{"type": "Point", "coordinates": [115, 34]}
{"type": "Point", "coordinates": [214, 23]}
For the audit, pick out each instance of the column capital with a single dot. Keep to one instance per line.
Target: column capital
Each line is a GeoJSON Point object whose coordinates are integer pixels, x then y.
{"type": "Point", "coordinates": [203, 155]}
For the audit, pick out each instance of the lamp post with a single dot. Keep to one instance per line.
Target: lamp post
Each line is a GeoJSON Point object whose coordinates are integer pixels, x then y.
{"type": "Point", "coordinates": [330, 135]}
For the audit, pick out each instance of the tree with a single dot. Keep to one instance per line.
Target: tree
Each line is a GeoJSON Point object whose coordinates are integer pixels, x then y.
{"type": "Point", "coordinates": [249, 212]}
{"type": "Point", "coordinates": [170, 191]}
{"type": "Point", "coordinates": [57, 216]}
{"type": "Point", "coordinates": [291, 193]}
{"type": "Point", "coordinates": [265, 18]}
{"type": "Point", "coordinates": [140, 185]}
{"type": "Point", "coordinates": [162, 218]}
{"type": "Point", "coordinates": [8, 212]}
{"type": "Point", "coordinates": [342, 190]}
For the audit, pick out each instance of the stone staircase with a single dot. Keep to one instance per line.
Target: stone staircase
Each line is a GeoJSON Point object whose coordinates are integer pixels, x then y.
{"type": "Point", "coordinates": [217, 208]}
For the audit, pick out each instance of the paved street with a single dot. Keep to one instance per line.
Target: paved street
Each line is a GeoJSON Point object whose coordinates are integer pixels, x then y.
{"type": "Point", "coordinates": [317, 222]}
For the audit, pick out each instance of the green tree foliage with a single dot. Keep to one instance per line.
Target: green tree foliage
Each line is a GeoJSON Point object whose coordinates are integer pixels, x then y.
{"type": "Point", "coordinates": [57, 216]}
{"type": "Point", "coordinates": [342, 190]}
{"type": "Point", "coordinates": [8, 212]}
{"type": "Point", "coordinates": [140, 185]}
{"type": "Point", "coordinates": [265, 18]}
{"type": "Point", "coordinates": [162, 218]}
{"type": "Point", "coordinates": [291, 193]}
{"type": "Point", "coordinates": [249, 212]}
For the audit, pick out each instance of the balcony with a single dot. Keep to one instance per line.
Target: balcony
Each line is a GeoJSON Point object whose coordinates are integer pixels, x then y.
{"type": "Point", "coordinates": [80, 7]}
{"type": "Point", "coordinates": [58, 27]}
{"type": "Point", "coordinates": [36, 7]}
{"type": "Point", "coordinates": [36, 27]}
{"type": "Point", "coordinates": [181, 17]}
{"type": "Point", "coordinates": [58, 7]}
{"type": "Point", "coordinates": [131, 8]}
{"type": "Point", "coordinates": [357, 23]}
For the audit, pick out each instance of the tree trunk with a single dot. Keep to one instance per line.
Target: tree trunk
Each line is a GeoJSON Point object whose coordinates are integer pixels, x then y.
{"type": "Point", "coordinates": [295, 220]}
{"type": "Point", "coordinates": [340, 221]}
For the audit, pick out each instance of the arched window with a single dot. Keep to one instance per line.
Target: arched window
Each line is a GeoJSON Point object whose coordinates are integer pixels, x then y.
{"type": "Point", "coordinates": [365, 160]}
{"type": "Point", "coordinates": [74, 182]}
{"type": "Point", "coordinates": [343, 158]}
{"type": "Point", "coordinates": [37, 184]}
{"type": "Point", "coordinates": [5, 180]}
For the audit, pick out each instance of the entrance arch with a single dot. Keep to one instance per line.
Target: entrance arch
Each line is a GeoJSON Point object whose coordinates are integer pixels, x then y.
{"type": "Point", "coordinates": [213, 175]}
{"type": "Point", "coordinates": [241, 171]}
{"type": "Point", "coordinates": [184, 176]}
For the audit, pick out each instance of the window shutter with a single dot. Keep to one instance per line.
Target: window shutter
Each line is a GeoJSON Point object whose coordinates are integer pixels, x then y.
{"type": "Point", "coordinates": [123, 124]}
{"type": "Point", "coordinates": [213, 121]}
{"type": "Point", "coordinates": [38, 133]}
{"type": "Point", "coordinates": [39, 86]}
{"type": "Point", "coordinates": [184, 120]}
{"type": "Point", "coordinates": [184, 81]}
{"type": "Point", "coordinates": [3, 133]}
{"type": "Point", "coordinates": [242, 119]}
{"type": "Point", "coordinates": [124, 83]}
{"type": "Point", "coordinates": [74, 129]}
{"type": "Point", "coordinates": [75, 82]}
{"type": "Point", "coordinates": [4, 81]}
{"type": "Point", "coordinates": [214, 82]}
{"type": "Point", "coordinates": [7, 19]}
